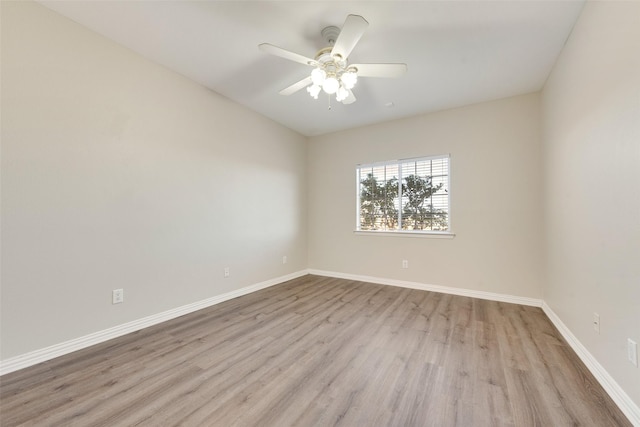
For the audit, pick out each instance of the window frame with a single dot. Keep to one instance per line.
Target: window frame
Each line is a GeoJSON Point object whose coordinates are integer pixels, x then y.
{"type": "Point", "coordinates": [444, 234]}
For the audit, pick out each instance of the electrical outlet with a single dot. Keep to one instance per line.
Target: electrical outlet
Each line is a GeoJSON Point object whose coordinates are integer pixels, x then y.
{"type": "Point", "coordinates": [405, 263]}
{"type": "Point", "coordinates": [117, 296]}
{"type": "Point", "coordinates": [227, 273]}
{"type": "Point", "coordinates": [632, 351]}
{"type": "Point", "coordinates": [284, 259]}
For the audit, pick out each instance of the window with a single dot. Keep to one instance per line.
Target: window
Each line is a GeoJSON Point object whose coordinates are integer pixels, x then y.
{"type": "Point", "coordinates": [409, 195]}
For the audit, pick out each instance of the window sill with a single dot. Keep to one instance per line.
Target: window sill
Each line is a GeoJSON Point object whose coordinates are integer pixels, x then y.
{"type": "Point", "coordinates": [420, 234]}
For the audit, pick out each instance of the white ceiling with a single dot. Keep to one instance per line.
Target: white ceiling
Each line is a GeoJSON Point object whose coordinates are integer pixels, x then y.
{"type": "Point", "coordinates": [457, 52]}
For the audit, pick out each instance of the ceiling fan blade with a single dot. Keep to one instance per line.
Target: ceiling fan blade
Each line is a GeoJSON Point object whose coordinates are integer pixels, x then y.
{"type": "Point", "coordinates": [283, 53]}
{"type": "Point", "coordinates": [353, 28]}
{"type": "Point", "coordinates": [380, 70]}
{"type": "Point", "coordinates": [349, 99]}
{"type": "Point", "coordinates": [296, 86]}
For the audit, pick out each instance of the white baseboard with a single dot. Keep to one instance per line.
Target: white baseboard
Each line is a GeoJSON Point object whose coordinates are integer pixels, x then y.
{"type": "Point", "coordinates": [433, 288]}
{"type": "Point", "coordinates": [624, 402]}
{"type": "Point", "coordinates": [56, 350]}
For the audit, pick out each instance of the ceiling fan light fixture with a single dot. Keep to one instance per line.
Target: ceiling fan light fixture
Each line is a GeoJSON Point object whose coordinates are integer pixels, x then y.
{"type": "Point", "coordinates": [330, 85]}
{"type": "Point", "coordinates": [342, 94]}
{"type": "Point", "coordinates": [318, 75]}
{"type": "Point", "coordinates": [349, 79]}
{"type": "Point", "coordinates": [314, 90]}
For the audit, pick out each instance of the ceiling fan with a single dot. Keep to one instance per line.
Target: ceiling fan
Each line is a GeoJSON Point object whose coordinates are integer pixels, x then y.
{"type": "Point", "coordinates": [332, 72]}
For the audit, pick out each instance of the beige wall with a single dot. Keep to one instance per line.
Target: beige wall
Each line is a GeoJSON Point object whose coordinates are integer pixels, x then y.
{"type": "Point", "coordinates": [117, 173]}
{"type": "Point", "coordinates": [496, 199]}
{"type": "Point", "coordinates": [591, 116]}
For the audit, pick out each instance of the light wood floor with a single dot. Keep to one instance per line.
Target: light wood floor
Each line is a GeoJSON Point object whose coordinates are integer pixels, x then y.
{"type": "Point", "coordinates": [322, 352]}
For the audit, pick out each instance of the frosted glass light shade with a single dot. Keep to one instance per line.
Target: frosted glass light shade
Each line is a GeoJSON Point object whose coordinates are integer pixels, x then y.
{"type": "Point", "coordinates": [330, 85]}
{"type": "Point", "coordinates": [342, 94]}
{"type": "Point", "coordinates": [314, 90]}
{"type": "Point", "coordinates": [317, 76]}
{"type": "Point", "coordinates": [349, 79]}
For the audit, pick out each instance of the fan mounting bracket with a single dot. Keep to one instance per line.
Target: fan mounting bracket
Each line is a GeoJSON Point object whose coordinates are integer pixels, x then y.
{"type": "Point", "coordinates": [330, 35]}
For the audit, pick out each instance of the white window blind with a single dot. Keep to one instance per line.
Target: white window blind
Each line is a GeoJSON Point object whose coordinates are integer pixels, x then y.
{"type": "Point", "coordinates": [404, 195]}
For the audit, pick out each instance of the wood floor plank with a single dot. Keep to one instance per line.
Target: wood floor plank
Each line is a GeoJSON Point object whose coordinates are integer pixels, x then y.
{"type": "Point", "coordinates": [319, 351]}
